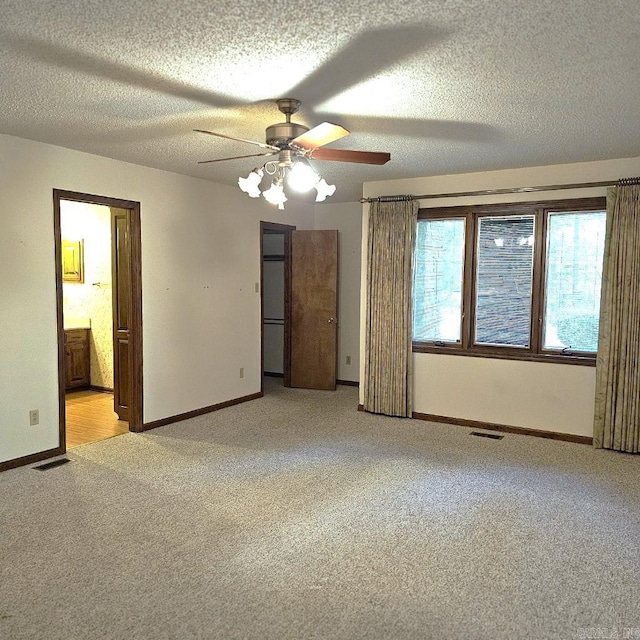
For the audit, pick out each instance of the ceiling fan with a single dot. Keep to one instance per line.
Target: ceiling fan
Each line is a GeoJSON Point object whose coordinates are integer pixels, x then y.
{"type": "Point", "coordinates": [295, 144]}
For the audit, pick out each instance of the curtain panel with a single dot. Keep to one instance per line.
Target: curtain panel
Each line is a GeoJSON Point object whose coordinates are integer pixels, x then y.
{"type": "Point", "coordinates": [617, 404]}
{"type": "Point", "coordinates": [388, 357]}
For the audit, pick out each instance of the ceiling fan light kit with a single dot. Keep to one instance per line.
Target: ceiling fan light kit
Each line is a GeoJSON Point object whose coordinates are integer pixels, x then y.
{"type": "Point", "coordinates": [294, 144]}
{"type": "Point", "coordinates": [299, 175]}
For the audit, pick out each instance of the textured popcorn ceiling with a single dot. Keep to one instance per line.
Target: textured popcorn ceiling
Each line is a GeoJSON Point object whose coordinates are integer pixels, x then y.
{"type": "Point", "coordinates": [445, 86]}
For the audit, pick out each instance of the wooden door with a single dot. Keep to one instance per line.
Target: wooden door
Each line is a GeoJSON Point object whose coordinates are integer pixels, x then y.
{"type": "Point", "coordinates": [121, 279]}
{"type": "Point", "coordinates": [314, 309]}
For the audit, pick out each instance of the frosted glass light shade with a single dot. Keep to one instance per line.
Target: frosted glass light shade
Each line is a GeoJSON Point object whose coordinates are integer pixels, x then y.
{"type": "Point", "coordinates": [251, 184]}
{"type": "Point", "coordinates": [324, 190]}
{"type": "Point", "coordinates": [302, 177]}
{"type": "Point", "coordinates": [275, 195]}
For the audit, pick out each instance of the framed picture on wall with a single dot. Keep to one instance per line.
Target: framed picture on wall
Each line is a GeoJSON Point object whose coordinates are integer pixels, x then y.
{"type": "Point", "coordinates": [73, 260]}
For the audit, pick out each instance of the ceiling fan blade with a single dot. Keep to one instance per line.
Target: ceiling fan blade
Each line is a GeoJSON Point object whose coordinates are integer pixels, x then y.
{"type": "Point", "coordinates": [223, 135]}
{"type": "Point", "coordinates": [346, 155]}
{"type": "Point", "coordinates": [324, 133]}
{"type": "Point", "coordinates": [252, 155]}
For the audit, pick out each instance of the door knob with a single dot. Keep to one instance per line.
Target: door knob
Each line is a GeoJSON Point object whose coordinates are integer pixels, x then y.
{"type": "Point", "coordinates": [331, 320]}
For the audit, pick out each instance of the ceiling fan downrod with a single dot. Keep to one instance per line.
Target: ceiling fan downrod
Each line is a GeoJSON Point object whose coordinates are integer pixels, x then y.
{"type": "Point", "coordinates": [279, 135]}
{"type": "Point", "coordinates": [288, 106]}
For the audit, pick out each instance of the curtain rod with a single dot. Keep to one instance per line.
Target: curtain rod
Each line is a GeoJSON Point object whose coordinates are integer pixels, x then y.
{"type": "Point", "coordinates": [492, 192]}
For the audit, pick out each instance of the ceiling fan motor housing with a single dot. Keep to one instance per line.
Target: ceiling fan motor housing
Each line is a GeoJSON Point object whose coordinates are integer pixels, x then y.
{"type": "Point", "coordinates": [279, 135]}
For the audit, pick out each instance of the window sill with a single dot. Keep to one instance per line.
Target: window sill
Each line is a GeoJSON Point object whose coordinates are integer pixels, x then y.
{"type": "Point", "coordinates": [495, 354]}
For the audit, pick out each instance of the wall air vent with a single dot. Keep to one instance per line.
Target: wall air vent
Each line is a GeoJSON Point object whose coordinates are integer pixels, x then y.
{"type": "Point", "coordinates": [493, 436]}
{"type": "Point", "coordinates": [52, 465]}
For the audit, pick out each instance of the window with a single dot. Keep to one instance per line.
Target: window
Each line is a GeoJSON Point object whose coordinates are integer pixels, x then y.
{"type": "Point", "coordinates": [504, 280]}
{"type": "Point", "coordinates": [438, 275]}
{"type": "Point", "coordinates": [517, 281]}
{"type": "Point", "coordinates": [575, 246]}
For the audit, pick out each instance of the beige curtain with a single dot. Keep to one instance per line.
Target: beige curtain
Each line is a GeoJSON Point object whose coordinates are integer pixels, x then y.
{"type": "Point", "coordinates": [617, 407]}
{"type": "Point", "coordinates": [388, 358]}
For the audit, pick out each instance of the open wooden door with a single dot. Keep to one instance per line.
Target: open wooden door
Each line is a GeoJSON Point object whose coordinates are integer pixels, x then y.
{"type": "Point", "coordinates": [126, 258]}
{"type": "Point", "coordinates": [121, 275]}
{"type": "Point", "coordinates": [314, 309]}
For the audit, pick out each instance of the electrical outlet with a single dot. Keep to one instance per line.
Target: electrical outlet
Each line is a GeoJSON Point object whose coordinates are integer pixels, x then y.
{"type": "Point", "coordinates": [34, 417]}
{"type": "Point", "coordinates": [348, 359]}
{"type": "Point", "coordinates": [242, 372]}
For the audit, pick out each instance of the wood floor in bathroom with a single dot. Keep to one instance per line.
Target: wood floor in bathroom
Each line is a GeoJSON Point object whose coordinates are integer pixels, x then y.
{"type": "Point", "coordinates": [90, 417]}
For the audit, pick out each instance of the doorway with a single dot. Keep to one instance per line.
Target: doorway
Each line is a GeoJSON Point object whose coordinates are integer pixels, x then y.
{"type": "Point", "coordinates": [299, 297]}
{"type": "Point", "coordinates": [99, 312]}
{"type": "Point", "coordinates": [275, 301]}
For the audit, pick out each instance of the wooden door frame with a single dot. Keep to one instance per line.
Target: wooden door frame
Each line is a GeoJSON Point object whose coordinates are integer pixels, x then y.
{"type": "Point", "coordinates": [286, 230]}
{"type": "Point", "coordinates": [135, 264]}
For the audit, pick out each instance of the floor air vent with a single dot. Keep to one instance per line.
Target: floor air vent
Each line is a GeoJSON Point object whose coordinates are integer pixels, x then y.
{"type": "Point", "coordinates": [51, 465]}
{"type": "Point", "coordinates": [493, 436]}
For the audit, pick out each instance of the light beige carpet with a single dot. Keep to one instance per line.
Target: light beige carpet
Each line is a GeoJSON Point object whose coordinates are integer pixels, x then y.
{"type": "Point", "coordinates": [295, 516]}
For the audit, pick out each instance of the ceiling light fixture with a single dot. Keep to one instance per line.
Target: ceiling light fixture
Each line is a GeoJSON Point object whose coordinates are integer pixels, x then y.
{"type": "Point", "coordinates": [302, 177]}
{"type": "Point", "coordinates": [251, 184]}
{"type": "Point", "coordinates": [295, 144]}
{"type": "Point", "coordinates": [324, 190]}
{"type": "Point", "coordinates": [275, 193]}
{"type": "Point", "coordinates": [291, 169]}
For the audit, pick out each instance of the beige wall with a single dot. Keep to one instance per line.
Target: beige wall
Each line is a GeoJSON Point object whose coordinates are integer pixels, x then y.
{"type": "Point", "coordinates": [200, 263]}
{"type": "Point", "coordinates": [91, 300]}
{"type": "Point", "coordinates": [543, 396]}
{"type": "Point", "coordinates": [346, 217]}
